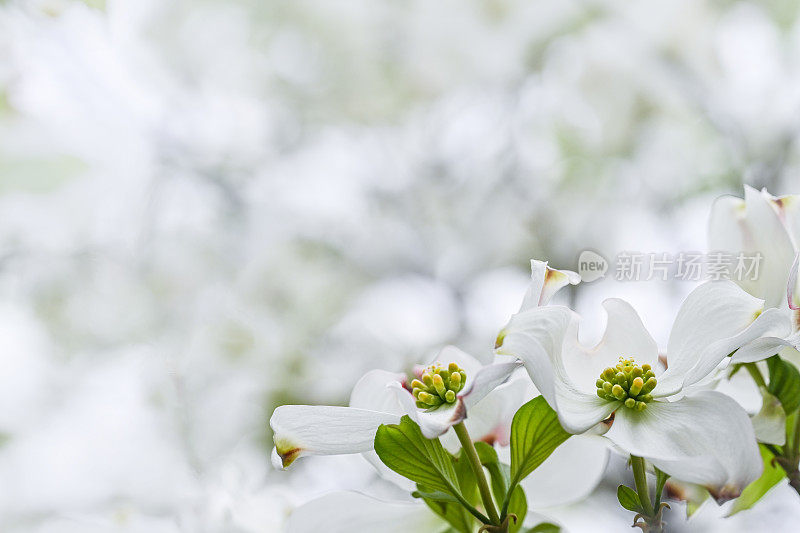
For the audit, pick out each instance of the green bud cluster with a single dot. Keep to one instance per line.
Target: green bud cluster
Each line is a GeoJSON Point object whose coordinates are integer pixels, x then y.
{"type": "Point", "coordinates": [438, 385]}
{"type": "Point", "coordinates": [628, 383]}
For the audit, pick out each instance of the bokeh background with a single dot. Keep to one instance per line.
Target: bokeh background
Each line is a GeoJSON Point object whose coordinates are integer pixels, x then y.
{"type": "Point", "coordinates": [209, 208]}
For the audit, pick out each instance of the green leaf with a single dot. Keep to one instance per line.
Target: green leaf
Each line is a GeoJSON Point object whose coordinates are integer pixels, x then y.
{"type": "Point", "coordinates": [440, 479]}
{"type": "Point", "coordinates": [545, 527]}
{"type": "Point", "coordinates": [791, 424]}
{"type": "Point", "coordinates": [433, 496]}
{"type": "Point", "coordinates": [629, 499]}
{"type": "Point", "coordinates": [498, 472]}
{"type": "Point", "coordinates": [466, 478]}
{"type": "Point", "coordinates": [756, 490]}
{"type": "Point", "coordinates": [661, 480]}
{"type": "Point", "coordinates": [518, 506]}
{"type": "Point", "coordinates": [535, 433]}
{"type": "Point", "coordinates": [784, 382]}
{"type": "Point", "coordinates": [486, 453]}
{"type": "Point", "coordinates": [453, 513]}
{"type": "Point", "coordinates": [499, 476]}
{"type": "Point", "coordinates": [404, 449]}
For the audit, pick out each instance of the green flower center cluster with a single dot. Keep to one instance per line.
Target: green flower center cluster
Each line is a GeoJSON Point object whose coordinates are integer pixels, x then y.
{"type": "Point", "coordinates": [438, 385]}
{"type": "Point", "coordinates": [628, 383]}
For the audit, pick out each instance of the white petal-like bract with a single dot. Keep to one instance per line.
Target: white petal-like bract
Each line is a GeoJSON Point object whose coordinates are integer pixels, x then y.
{"type": "Point", "coordinates": [705, 438]}
{"type": "Point", "coordinates": [346, 512]}
{"type": "Point", "coordinates": [324, 430]}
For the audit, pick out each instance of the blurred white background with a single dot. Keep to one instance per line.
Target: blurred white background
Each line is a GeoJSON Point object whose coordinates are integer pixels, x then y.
{"type": "Point", "coordinates": [210, 207]}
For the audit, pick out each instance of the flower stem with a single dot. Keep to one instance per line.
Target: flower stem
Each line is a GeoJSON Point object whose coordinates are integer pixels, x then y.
{"type": "Point", "coordinates": [651, 515]}
{"type": "Point", "coordinates": [640, 478]}
{"type": "Point", "coordinates": [787, 456]}
{"type": "Point", "coordinates": [794, 480]}
{"type": "Point", "coordinates": [791, 455]}
{"type": "Point", "coordinates": [477, 468]}
{"type": "Point", "coordinates": [755, 373]}
{"type": "Point", "coordinates": [796, 441]}
{"type": "Point", "coordinates": [789, 466]}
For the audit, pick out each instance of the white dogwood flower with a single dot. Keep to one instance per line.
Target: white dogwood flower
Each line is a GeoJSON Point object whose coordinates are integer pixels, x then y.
{"type": "Point", "coordinates": [768, 229]}
{"type": "Point", "coordinates": [693, 434]}
{"type": "Point", "coordinates": [567, 476]}
{"type": "Point", "coordinates": [438, 398]}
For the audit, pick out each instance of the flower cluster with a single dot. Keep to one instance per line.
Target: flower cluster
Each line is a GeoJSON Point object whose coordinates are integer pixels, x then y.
{"type": "Point", "coordinates": [439, 385]}
{"type": "Point", "coordinates": [627, 382]}
{"type": "Point", "coordinates": [663, 413]}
